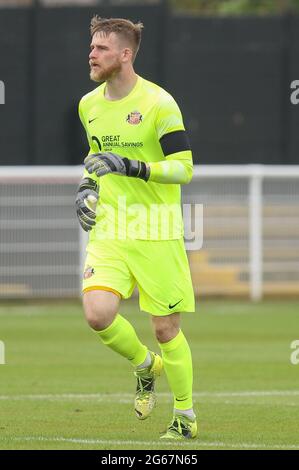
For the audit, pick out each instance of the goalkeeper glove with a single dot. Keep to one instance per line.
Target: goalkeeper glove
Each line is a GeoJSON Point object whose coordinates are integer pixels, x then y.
{"type": "Point", "coordinates": [103, 163]}
{"type": "Point", "coordinates": [86, 199]}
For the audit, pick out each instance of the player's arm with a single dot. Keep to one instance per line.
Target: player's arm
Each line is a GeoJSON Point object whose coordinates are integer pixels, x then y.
{"type": "Point", "coordinates": [177, 168]}
{"type": "Point", "coordinates": [178, 165]}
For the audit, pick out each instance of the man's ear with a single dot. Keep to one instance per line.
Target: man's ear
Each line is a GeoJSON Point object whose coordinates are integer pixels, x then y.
{"type": "Point", "coordinates": [127, 55]}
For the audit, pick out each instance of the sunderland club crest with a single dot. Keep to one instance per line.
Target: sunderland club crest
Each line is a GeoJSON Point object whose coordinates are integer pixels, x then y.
{"type": "Point", "coordinates": [135, 117]}
{"type": "Point", "coordinates": [89, 271]}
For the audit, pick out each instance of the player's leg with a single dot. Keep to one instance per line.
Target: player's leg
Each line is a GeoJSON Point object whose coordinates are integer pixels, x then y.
{"type": "Point", "coordinates": [163, 276]}
{"type": "Point", "coordinates": [101, 311]}
{"type": "Point", "coordinates": [107, 279]}
{"type": "Point", "coordinates": [177, 361]}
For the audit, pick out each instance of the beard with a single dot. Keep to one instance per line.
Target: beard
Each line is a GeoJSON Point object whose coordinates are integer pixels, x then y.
{"type": "Point", "coordinates": [101, 74]}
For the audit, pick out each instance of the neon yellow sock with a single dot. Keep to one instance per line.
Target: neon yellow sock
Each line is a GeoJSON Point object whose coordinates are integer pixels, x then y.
{"type": "Point", "coordinates": [177, 361]}
{"type": "Point", "coordinates": [122, 338]}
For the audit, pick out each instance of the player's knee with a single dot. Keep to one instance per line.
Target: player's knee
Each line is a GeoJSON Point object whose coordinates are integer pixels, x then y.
{"type": "Point", "coordinates": [97, 320]}
{"type": "Point", "coordinates": [100, 309]}
{"type": "Point", "coordinates": [160, 335]}
{"type": "Point", "coordinates": [166, 328]}
{"type": "Point", "coordinates": [165, 335]}
{"type": "Point", "coordinates": [165, 332]}
{"type": "Point", "coordinates": [100, 317]}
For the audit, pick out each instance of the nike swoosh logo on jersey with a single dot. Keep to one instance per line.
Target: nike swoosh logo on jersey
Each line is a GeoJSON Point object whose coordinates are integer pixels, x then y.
{"type": "Point", "coordinates": [172, 306]}
{"type": "Point", "coordinates": [90, 120]}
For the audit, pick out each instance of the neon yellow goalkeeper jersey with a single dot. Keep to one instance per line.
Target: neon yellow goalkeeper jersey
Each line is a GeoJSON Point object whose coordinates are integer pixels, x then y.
{"type": "Point", "coordinates": [145, 125]}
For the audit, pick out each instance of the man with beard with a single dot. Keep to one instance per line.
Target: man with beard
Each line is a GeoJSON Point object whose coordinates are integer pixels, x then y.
{"type": "Point", "coordinates": [129, 200]}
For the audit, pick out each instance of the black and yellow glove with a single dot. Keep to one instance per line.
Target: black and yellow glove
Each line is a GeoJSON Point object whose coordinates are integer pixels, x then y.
{"type": "Point", "coordinates": [86, 202]}
{"type": "Point", "coordinates": [104, 163]}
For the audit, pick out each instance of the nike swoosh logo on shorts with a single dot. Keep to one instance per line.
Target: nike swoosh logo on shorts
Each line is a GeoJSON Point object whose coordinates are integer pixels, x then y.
{"type": "Point", "coordinates": [172, 306]}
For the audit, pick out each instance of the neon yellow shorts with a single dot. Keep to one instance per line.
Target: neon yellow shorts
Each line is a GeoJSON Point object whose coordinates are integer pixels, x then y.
{"type": "Point", "coordinates": [159, 269]}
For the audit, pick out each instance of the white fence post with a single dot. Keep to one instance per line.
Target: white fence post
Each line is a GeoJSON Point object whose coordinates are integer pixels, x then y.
{"type": "Point", "coordinates": [83, 239]}
{"type": "Point", "coordinates": [256, 233]}
{"type": "Point", "coordinates": [2, 353]}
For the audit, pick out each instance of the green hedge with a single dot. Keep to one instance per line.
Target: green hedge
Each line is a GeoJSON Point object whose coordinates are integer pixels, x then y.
{"type": "Point", "coordinates": [236, 7]}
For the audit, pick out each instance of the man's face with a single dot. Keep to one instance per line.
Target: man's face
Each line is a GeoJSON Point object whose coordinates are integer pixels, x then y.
{"type": "Point", "coordinates": [105, 56]}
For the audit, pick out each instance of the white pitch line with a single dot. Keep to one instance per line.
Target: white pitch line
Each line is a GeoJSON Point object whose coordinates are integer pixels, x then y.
{"type": "Point", "coordinates": [257, 393]}
{"type": "Point", "coordinates": [243, 445]}
{"type": "Point", "coordinates": [126, 397]}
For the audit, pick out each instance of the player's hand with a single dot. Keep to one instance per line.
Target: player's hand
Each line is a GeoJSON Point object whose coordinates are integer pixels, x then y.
{"type": "Point", "coordinates": [103, 163]}
{"type": "Point", "coordinates": [86, 202]}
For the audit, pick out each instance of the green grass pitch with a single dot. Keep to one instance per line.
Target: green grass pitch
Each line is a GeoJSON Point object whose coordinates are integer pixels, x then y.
{"type": "Point", "coordinates": [62, 389]}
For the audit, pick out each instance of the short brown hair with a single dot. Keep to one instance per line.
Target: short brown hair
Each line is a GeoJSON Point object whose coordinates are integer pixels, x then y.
{"type": "Point", "coordinates": [126, 28]}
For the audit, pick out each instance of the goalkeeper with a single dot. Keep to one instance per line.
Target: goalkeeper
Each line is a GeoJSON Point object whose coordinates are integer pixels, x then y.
{"type": "Point", "coordinates": [129, 201]}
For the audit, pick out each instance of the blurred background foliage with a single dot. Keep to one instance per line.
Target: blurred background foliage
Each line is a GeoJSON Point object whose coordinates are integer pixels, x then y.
{"type": "Point", "coordinates": [194, 7]}
{"type": "Point", "coordinates": [236, 7]}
